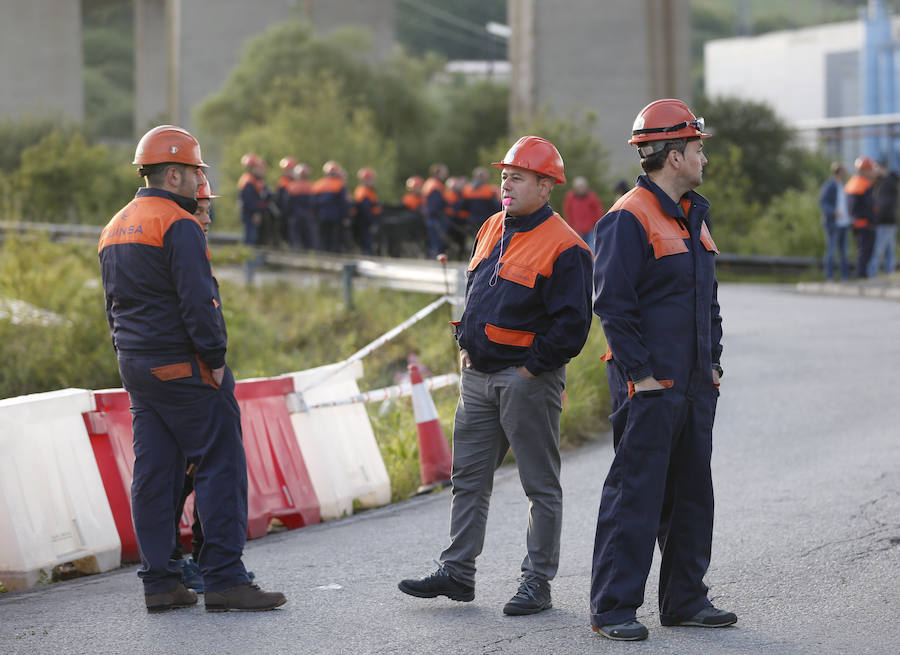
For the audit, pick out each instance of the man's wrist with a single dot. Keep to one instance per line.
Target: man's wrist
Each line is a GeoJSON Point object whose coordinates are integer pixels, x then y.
{"type": "Point", "coordinates": [718, 369]}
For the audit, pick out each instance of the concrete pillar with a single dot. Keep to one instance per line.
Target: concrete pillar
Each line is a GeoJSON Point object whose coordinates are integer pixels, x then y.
{"type": "Point", "coordinates": [41, 59]}
{"type": "Point", "coordinates": [610, 57]}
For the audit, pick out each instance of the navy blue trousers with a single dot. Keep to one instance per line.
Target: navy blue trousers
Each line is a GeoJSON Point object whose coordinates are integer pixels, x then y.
{"type": "Point", "coordinates": [659, 489]}
{"type": "Point", "coordinates": [182, 418]}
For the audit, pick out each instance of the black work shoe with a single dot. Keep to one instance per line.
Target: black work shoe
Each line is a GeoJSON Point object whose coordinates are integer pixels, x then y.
{"type": "Point", "coordinates": [243, 598]}
{"type": "Point", "coordinates": [177, 596]}
{"type": "Point", "coordinates": [532, 597]}
{"type": "Point", "coordinates": [708, 617]}
{"type": "Point", "coordinates": [439, 583]}
{"type": "Point", "coordinates": [632, 630]}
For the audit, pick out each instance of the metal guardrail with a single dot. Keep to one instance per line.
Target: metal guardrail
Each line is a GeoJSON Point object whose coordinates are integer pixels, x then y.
{"type": "Point", "coordinates": [403, 274]}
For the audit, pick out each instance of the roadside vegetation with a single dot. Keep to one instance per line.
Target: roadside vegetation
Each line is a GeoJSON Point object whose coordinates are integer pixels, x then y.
{"type": "Point", "coordinates": [55, 335]}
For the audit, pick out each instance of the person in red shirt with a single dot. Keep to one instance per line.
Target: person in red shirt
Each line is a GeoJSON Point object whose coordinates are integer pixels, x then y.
{"type": "Point", "coordinates": [582, 208]}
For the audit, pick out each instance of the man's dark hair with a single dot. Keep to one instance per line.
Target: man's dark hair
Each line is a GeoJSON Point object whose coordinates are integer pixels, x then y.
{"type": "Point", "coordinates": [156, 173]}
{"type": "Point", "coordinates": [655, 161]}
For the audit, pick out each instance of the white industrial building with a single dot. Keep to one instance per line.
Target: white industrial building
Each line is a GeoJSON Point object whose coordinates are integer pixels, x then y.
{"type": "Point", "coordinates": [817, 79]}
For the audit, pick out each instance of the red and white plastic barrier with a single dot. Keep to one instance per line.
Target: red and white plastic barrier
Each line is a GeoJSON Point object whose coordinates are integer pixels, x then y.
{"type": "Point", "coordinates": [53, 509]}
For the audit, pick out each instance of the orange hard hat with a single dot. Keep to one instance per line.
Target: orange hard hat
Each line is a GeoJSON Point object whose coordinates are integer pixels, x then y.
{"type": "Point", "coordinates": [535, 154]}
{"type": "Point", "coordinates": [414, 183]}
{"type": "Point", "coordinates": [365, 174]}
{"type": "Point", "coordinates": [665, 120]}
{"type": "Point", "coordinates": [331, 167]}
{"type": "Point", "coordinates": [168, 143]}
{"type": "Point", "coordinates": [204, 190]}
{"type": "Point", "coordinates": [250, 160]}
{"type": "Point", "coordinates": [864, 164]}
{"type": "Point", "coordinates": [287, 164]}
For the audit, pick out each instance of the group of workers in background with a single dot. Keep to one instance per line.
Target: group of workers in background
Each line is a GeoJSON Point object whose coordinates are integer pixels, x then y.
{"type": "Point", "coordinates": [326, 215]}
{"type": "Point", "coordinates": [867, 205]}
{"type": "Point", "coordinates": [533, 284]}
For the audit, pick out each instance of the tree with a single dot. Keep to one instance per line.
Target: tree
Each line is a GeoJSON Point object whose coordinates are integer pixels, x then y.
{"type": "Point", "coordinates": [64, 178]}
{"type": "Point", "coordinates": [770, 157]}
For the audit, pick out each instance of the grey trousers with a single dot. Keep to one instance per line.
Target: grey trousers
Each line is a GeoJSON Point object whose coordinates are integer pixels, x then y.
{"type": "Point", "coordinates": [497, 411]}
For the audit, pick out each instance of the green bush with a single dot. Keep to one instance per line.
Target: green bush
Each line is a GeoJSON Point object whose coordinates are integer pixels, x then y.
{"type": "Point", "coordinates": [63, 178]}
{"type": "Point", "coordinates": [61, 339]}
{"type": "Point", "coordinates": [791, 225]}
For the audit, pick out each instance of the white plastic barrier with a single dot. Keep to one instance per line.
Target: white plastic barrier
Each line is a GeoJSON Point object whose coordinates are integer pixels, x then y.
{"type": "Point", "coordinates": [53, 507]}
{"type": "Point", "coordinates": [338, 443]}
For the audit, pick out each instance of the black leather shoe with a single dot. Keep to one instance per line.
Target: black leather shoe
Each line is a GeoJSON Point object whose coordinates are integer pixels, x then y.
{"type": "Point", "coordinates": [243, 598]}
{"type": "Point", "coordinates": [708, 617]}
{"type": "Point", "coordinates": [532, 597]}
{"type": "Point", "coordinates": [439, 583]}
{"type": "Point", "coordinates": [632, 630]}
{"type": "Point", "coordinates": [177, 596]}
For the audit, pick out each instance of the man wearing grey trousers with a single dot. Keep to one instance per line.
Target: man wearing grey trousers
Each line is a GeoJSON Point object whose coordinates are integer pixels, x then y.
{"type": "Point", "coordinates": [528, 312]}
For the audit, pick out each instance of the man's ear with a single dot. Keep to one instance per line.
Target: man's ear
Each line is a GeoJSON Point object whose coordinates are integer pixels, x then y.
{"type": "Point", "coordinates": [173, 176]}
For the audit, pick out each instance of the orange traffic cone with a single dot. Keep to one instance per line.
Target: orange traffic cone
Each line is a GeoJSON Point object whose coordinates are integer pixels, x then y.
{"type": "Point", "coordinates": [435, 461]}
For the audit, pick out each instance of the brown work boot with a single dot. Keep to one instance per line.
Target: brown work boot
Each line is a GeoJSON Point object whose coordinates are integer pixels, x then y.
{"type": "Point", "coordinates": [243, 598]}
{"type": "Point", "coordinates": [177, 596]}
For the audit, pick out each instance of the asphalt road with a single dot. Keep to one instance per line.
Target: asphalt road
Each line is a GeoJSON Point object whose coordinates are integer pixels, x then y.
{"type": "Point", "coordinates": [806, 550]}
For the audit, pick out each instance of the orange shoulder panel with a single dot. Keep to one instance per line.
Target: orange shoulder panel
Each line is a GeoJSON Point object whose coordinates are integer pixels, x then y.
{"type": "Point", "coordinates": [485, 192]}
{"type": "Point", "coordinates": [363, 192]}
{"type": "Point", "coordinates": [299, 187]}
{"type": "Point", "coordinates": [644, 206]}
{"type": "Point", "coordinates": [487, 238]}
{"type": "Point", "coordinates": [535, 252]}
{"type": "Point", "coordinates": [144, 221]}
{"type": "Point", "coordinates": [328, 184]}
{"type": "Point", "coordinates": [412, 201]}
{"type": "Point", "coordinates": [246, 179]}
{"type": "Point", "coordinates": [857, 185]}
{"type": "Point", "coordinates": [432, 184]}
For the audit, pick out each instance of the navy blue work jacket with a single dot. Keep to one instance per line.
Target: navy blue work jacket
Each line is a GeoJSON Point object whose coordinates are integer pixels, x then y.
{"type": "Point", "coordinates": [161, 298]}
{"type": "Point", "coordinates": [655, 287]}
{"type": "Point", "coordinates": [535, 308]}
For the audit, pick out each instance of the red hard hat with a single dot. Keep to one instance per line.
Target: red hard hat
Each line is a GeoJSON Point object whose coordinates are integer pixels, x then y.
{"type": "Point", "coordinates": [365, 174]}
{"type": "Point", "coordinates": [535, 154]}
{"type": "Point", "coordinates": [204, 190]}
{"type": "Point", "coordinates": [250, 160]}
{"type": "Point", "coordinates": [864, 164]}
{"type": "Point", "coordinates": [664, 120]}
{"type": "Point", "coordinates": [414, 183]}
{"type": "Point", "coordinates": [168, 143]}
{"type": "Point", "coordinates": [331, 167]}
{"type": "Point", "coordinates": [287, 164]}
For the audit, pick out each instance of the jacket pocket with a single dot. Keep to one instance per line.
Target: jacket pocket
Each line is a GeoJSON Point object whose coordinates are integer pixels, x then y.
{"type": "Point", "coordinates": [206, 373]}
{"type": "Point", "coordinates": [172, 371]}
{"type": "Point", "coordinates": [666, 384]}
{"type": "Point", "coordinates": [518, 274]}
{"type": "Point", "coordinates": [665, 246]}
{"type": "Point", "coordinates": [507, 337]}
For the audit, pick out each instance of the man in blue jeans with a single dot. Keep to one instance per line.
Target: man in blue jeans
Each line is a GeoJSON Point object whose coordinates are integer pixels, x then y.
{"type": "Point", "coordinates": [836, 222]}
{"type": "Point", "coordinates": [884, 194]}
